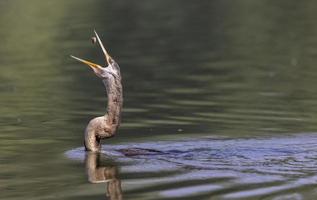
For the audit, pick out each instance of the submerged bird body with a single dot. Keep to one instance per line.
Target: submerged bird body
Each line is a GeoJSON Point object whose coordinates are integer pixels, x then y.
{"type": "Point", "coordinates": [105, 126]}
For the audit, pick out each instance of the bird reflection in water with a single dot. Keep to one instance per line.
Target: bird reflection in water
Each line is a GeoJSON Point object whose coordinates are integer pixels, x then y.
{"type": "Point", "coordinates": [103, 174]}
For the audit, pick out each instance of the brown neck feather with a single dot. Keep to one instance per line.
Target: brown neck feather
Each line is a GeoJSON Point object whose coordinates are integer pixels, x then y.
{"type": "Point", "coordinates": [115, 100]}
{"type": "Point", "coordinates": [106, 126]}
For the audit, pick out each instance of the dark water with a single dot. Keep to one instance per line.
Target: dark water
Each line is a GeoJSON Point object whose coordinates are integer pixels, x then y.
{"type": "Point", "coordinates": [224, 91]}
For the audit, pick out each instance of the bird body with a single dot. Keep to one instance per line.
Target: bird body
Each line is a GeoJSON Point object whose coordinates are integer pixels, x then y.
{"type": "Point", "coordinates": [105, 126]}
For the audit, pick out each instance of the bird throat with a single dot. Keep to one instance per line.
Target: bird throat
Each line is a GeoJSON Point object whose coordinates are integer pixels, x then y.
{"type": "Point", "coordinates": [115, 101]}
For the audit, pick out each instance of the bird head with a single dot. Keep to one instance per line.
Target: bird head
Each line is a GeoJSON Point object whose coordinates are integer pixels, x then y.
{"type": "Point", "coordinates": [110, 70]}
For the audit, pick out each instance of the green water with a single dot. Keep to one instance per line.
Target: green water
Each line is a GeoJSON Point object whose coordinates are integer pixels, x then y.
{"type": "Point", "coordinates": [236, 71]}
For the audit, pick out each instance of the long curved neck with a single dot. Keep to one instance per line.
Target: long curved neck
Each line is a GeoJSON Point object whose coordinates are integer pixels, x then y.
{"type": "Point", "coordinates": [115, 101]}
{"type": "Point", "coordinates": [106, 126]}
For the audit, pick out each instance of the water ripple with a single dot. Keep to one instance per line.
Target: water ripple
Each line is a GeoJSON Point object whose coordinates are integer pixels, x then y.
{"type": "Point", "coordinates": [226, 167]}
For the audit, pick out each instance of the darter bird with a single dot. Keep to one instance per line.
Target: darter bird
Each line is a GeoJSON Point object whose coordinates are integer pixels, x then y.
{"type": "Point", "coordinates": [105, 126]}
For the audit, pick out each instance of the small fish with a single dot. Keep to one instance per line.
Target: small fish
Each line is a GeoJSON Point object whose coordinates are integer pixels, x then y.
{"type": "Point", "coordinates": [93, 40]}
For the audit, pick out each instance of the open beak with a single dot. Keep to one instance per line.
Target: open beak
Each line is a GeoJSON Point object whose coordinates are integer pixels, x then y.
{"type": "Point", "coordinates": [94, 66]}
{"type": "Point", "coordinates": [107, 56]}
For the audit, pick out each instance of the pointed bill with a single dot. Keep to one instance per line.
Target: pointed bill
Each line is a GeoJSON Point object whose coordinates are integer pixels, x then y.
{"type": "Point", "coordinates": [92, 65]}
{"type": "Point", "coordinates": [108, 57]}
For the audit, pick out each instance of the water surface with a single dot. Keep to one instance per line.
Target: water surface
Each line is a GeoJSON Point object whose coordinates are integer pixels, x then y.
{"type": "Point", "coordinates": [226, 88]}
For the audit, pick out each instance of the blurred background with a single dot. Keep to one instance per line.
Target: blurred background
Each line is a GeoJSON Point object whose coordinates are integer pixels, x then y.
{"type": "Point", "coordinates": [228, 68]}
